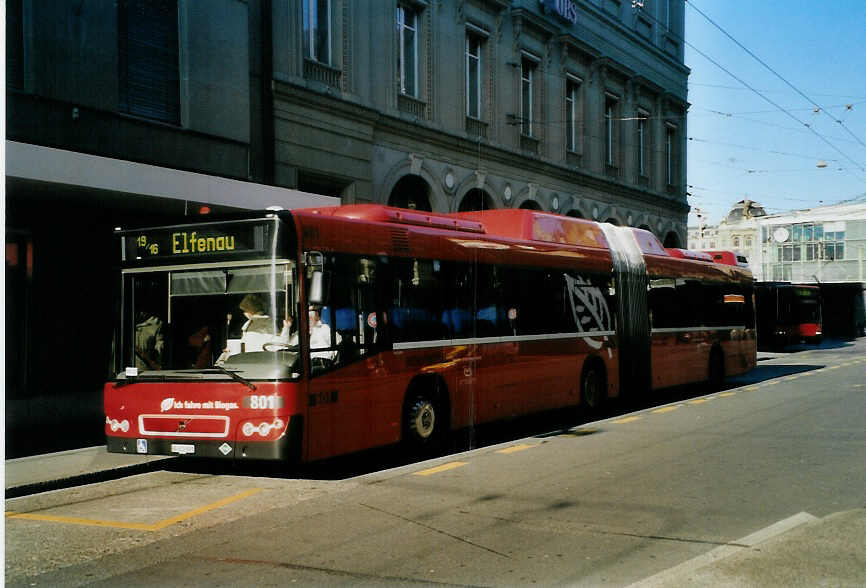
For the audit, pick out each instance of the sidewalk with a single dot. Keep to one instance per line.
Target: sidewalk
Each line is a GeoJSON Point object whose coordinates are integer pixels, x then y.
{"type": "Point", "coordinates": [52, 469]}
{"type": "Point", "coordinates": [814, 552]}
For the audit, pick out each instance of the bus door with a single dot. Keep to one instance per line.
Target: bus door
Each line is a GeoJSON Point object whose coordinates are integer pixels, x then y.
{"type": "Point", "coordinates": [351, 404]}
{"type": "Point", "coordinates": [677, 340]}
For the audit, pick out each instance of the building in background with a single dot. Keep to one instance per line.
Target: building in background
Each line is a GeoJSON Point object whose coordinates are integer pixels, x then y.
{"type": "Point", "coordinates": [736, 232]}
{"type": "Point", "coordinates": [576, 107]}
{"type": "Point", "coordinates": [825, 245]}
{"type": "Point", "coordinates": [144, 111]}
{"type": "Point", "coordinates": [822, 244]}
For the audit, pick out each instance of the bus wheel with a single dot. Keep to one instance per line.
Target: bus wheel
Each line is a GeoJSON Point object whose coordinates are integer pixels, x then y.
{"type": "Point", "coordinates": [716, 371]}
{"type": "Point", "coordinates": [592, 388]}
{"type": "Point", "coordinates": [423, 421]}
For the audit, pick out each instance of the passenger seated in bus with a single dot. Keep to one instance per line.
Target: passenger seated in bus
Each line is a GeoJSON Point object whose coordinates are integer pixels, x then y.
{"type": "Point", "coordinates": [149, 341]}
{"type": "Point", "coordinates": [320, 338]}
{"type": "Point", "coordinates": [200, 348]}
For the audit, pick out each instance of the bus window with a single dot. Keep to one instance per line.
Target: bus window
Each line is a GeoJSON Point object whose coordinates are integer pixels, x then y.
{"type": "Point", "coordinates": [416, 311]}
{"type": "Point", "coordinates": [349, 312]}
{"type": "Point", "coordinates": [146, 349]}
{"type": "Point", "coordinates": [663, 304]}
{"type": "Point", "coordinates": [192, 319]}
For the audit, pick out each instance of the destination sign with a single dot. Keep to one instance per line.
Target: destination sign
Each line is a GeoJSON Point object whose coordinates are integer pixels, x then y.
{"type": "Point", "coordinates": [195, 241]}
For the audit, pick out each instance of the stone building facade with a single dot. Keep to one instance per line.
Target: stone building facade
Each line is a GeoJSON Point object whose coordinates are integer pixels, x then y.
{"type": "Point", "coordinates": [147, 111]}
{"type": "Point", "coordinates": [575, 107]}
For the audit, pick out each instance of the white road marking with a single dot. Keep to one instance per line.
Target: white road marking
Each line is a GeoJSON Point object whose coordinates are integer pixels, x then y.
{"type": "Point", "coordinates": [668, 577]}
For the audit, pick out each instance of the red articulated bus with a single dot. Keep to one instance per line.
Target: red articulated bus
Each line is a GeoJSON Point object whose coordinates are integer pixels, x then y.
{"type": "Point", "coordinates": [788, 314]}
{"type": "Point", "coordinates": [729, 257]}
{"type": "Point", "coordinates": [311, 333]}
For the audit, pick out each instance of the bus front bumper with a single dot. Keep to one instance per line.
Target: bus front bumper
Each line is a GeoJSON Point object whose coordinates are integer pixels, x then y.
{"type": "Point", "coordinates": [286, 448]}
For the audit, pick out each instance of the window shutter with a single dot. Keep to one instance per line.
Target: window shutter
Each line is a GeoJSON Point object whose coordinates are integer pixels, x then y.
{"type": "Point", "coordinates": [149, 71]}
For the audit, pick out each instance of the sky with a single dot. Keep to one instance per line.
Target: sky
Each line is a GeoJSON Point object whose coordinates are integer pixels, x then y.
{"type": "Point", "coordinates": [772, 135]}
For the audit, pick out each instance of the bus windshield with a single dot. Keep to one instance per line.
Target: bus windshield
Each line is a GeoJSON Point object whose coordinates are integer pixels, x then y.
{"type": "Point", "coordinates": [240, 318]}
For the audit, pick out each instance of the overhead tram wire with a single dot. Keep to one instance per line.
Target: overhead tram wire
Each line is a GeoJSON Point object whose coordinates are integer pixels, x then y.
{"type": "Point", "coordinates": [756, 121]}
{"type": "Point", "coordinates": [724, 87]}
{"type": "Point", "coordinates": [773, 71]}
{"type": "Point", "coordinates": [780, 108]}
{"type": "Point", "coordinates": [758, 93]}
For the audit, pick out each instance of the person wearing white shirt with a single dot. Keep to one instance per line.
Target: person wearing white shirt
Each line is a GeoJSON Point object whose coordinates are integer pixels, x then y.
{"type": "Point", "coordinates": [320, 338]}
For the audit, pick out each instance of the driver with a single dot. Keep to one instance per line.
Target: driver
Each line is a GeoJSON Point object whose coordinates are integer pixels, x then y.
{"type": "Point", "coordinates": [259, 328]}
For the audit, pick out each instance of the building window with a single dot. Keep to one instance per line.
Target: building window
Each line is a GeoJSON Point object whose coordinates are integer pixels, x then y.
{"type": "Point", "coordinates": [821, 242]}
{"type": "Point", "coordinates": [572, 114]}
{"type": "Point", "coordinates": [473, 76]}
{"type": "Point", "coordinates": [317, 30]}
{"type": "Point", "coordinates": [643, 139]}
{"type": "Point", "coordinates": [670, 154]}
{"type": "Point", "coordinates": [834, 245]}
{"type": "Point", "coordinates": [610, 130]}
{"type": "Point", "coordinates": [149, 81]}
{"type": "Point", "coordinates": [527, 75]}
{"type": "Point", "coordinates": [15, 44]}
{"type": "Point", "coordinates": [737, 242]}
{"type": "Point", "coordinates": [407, 60]}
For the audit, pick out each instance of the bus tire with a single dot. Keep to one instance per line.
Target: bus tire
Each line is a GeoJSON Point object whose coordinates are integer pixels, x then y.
{"type": "Point", "coordinates": [716, 369]}
{"type": "Point", "coordinates": [424, 417]}
{"type": "Point", "coordinates": [593, 387]}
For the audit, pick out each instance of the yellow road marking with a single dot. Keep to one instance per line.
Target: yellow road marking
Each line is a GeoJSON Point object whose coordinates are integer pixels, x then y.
{"type": "Point", "coordinates": [206, 508]}
{"type": "Point", "coordinates": [443, 468]}
{"type": "Point", "coordinates": [699, 400]}
{"type": "Point", "coordinates": [134, 526]}
{"type": "Point", "coordinates": [626, 420]}
{"type": "Point", "coordinates": [515, 448]}
{"type": "Point", "coordinates": [665, 409]}
{"type": "Point", "coordinates": [727, 394]}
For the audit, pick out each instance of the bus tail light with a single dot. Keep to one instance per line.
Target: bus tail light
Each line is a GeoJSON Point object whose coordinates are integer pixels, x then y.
{"type": "Point", "coordinates": [263, 429]}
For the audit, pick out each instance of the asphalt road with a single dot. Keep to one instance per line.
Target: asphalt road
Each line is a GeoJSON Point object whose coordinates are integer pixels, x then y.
{"type": "Point", "coordinates": [648, 497]}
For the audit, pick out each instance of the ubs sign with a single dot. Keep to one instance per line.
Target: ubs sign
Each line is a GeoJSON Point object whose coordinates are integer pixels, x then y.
{"type": "Point", "coordinates": [564, 9]}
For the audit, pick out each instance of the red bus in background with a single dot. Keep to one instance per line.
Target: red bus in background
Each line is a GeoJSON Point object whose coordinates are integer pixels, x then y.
{"type": "Point", "coordinates": [788, 314]}
{"type": "Point", "coordinates": [311, 333]}
{"type": "Point", "coordinates": [729, 257]}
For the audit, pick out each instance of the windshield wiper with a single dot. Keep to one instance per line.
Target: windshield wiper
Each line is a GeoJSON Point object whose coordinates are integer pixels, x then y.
{"type": "Point", "coordinates": [133, 379]}
{"type": "Point", "coordinates": [230, 373]}
{"type": "Point", "coordinates": [179, 373]}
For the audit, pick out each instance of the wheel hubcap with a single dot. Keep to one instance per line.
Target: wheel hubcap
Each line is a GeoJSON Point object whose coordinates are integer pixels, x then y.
{"type": "Point", "coordinates": [424, 420]}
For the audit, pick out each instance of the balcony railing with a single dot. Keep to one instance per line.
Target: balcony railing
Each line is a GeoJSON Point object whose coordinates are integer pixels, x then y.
{"type": "Point", "coordinates": [476, 128]}
{"type": "Point", "coordinates": [529, 144]}
{"type": "Point", "coordinates": [319, 72]}
{"type": "Point", "coordinates": [412, 106]}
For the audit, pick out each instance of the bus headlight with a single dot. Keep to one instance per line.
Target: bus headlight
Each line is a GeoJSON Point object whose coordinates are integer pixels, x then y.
{"type": "Point", "coordinates": [116, 425]}
{"type": "Point", "coordinates": [264, 429]}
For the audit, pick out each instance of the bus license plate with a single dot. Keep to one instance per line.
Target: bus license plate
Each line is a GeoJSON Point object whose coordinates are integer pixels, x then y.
{"type": "Point", "coordinates": [182, 448]}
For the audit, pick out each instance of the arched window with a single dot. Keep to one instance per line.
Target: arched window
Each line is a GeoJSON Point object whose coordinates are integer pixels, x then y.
{"type": "Point", "coordinates": [672, 240]}
{"type": "Point", "coordinates": [411, 192]}
{"type": "Point", "coordinates": [476, 199]}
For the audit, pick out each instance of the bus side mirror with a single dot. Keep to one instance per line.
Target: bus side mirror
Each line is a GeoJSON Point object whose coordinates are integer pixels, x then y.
{"type": "Point", "coordinates": [317, 288]}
